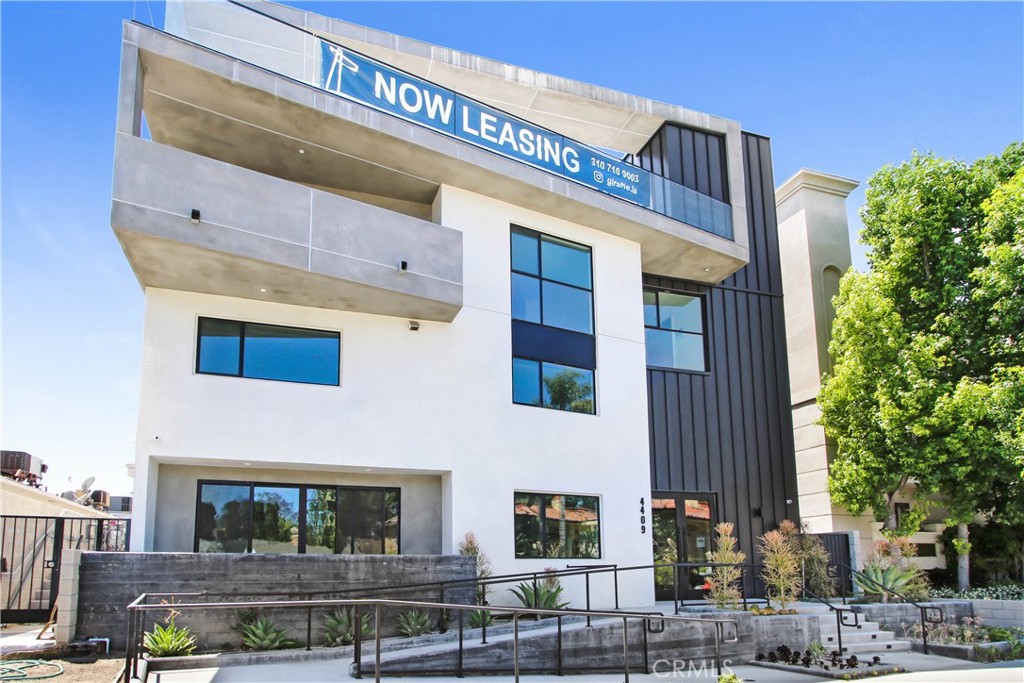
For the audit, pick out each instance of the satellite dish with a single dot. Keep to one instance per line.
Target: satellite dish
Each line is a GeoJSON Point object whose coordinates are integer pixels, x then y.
{"type": "Point", "coordinates": [87, 484]}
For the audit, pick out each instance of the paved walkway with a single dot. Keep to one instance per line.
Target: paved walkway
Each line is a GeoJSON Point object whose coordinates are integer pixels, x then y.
{"type": "Point", "coordinates": [924, 668]}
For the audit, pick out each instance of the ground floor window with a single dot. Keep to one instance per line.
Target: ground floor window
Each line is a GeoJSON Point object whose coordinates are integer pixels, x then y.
{"type": "Point", "coordinates": [554, 525]}
{"type": "Point", "coordinates": [239, 517]}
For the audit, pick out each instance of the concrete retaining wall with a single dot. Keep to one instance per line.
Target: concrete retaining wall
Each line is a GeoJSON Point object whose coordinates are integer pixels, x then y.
{"type": "Point", "coordinates": [1005, 613]}
{"type": "Point", "coordinates": [108, 582]}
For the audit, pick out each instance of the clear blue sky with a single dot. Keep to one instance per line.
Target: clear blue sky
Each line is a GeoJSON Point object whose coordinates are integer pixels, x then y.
{"type": "Point", "coordinates": [841, 88]}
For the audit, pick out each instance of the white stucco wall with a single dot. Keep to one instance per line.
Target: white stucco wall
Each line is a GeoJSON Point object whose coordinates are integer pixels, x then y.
{"type": "Point", "coordinates": [435, 402]}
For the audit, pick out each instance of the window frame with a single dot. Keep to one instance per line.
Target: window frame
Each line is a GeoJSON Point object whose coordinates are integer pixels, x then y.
{"type": "Point", "coordinates": [540, 370]}
{"type": "Point", "coordinates": [703, 334]}
{"type": "Point", "coordinates": [303, 504]}
{"type": "Point", "coordinates": [539, 276]}
{"type": "Point", "coordinates": [545, 499]}
{"type": "Point", "coordinates": [334, 334]}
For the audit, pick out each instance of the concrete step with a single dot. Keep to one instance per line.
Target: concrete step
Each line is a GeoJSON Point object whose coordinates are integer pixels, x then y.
{"type": "Point", "coordinates": [882, 637]}
{"type": "Point", "coordinates": [873, 647]}
{"type": "Point", "coordinates": [829, 626]}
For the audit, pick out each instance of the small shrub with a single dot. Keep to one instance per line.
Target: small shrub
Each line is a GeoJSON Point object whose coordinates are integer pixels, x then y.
{"type": "Point", "coordinates": [169, 640]}
{"type": "Point", "coordinates": [340, 627]}
{"type": "Point", "coordinates": [729, 678]}
{"type": "Point", "coordinates": [780, 568]}
{"type": "Point", "coordinates": [724, 590]}
{"type": "Point", "coordinates": [259, 633]}
{"type": "Point", "coordinates": [1010, 591]}
{"type": "Point", "coordinates": [414, 623]}
{"type": "Point", "coordinates": [470, 546]}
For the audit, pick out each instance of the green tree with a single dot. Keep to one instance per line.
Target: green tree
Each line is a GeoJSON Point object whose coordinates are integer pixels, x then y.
{"type": "Point", "coordinates": [926, 346]}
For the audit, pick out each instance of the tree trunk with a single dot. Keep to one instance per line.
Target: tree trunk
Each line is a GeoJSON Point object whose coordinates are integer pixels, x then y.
{"type": "Point", "coordinates": [891, 523]}
{"type": "Point", "coordinates": [963, 559]}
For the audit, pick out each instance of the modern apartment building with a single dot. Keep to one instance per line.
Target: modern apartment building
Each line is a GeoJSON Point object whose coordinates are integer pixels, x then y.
{"type": "Point", "coordinates": [396, 293]}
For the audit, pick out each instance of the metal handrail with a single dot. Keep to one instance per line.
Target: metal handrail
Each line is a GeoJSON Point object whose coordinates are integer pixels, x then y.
{"type": "Point", "coordinates": [923, 608]}
{"type": "Point", "coordinates": [139, 606]}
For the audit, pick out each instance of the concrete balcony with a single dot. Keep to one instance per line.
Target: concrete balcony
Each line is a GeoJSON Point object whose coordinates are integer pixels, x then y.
{"type": "Point", "coordinates": [261, 237]}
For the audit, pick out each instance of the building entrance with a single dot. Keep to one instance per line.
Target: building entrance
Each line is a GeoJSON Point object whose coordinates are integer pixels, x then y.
{"type": "Point", "coordinates": [683, 524]}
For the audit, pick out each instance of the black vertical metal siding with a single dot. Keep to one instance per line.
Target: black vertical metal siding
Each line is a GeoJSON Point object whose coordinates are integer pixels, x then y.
{"type": "Point", "coordinates": [690, 157]}
{"type": "Point", "coordinates": [730, 430]}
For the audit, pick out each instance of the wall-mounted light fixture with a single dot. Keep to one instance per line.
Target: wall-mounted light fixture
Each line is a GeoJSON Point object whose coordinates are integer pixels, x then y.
{"type": "Point", "coordinates": [403, 266]}
{"type": "Point", "coordinates": [195, 216]}
{"type": "Point", "coordinates": [414, 325]}
{"type": "Point", "coordinates": [756, 512]}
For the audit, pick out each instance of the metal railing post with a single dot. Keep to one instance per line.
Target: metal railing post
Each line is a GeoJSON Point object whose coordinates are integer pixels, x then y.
{"type": "Point", "coordinates": [462, 614]}
{"type": "Point", "coordinates": [309, 628]}
{"type": "Point", "coordinates": [559, 644]}
{"type": "Point", "coordinates": [587, 578]}
{"type": "Point", "coordinates": [357, 646]}
{"type": "Point", "coordinates": [839, 631]}
{"type": "Point", "coordinates": [515, 645]}
{"type": "Point", "coordinates": [625, 647]}
{"type": "Point", "coordinates": [675, 587]}
{"type": "Point", "coordinates": [718, 648]}
{"type": "Point", "coordinates": [924, 631]}
{"type": "Point", "coordinates": [376, 626]}
{"type": "Point", "coordinates": [615, 576]}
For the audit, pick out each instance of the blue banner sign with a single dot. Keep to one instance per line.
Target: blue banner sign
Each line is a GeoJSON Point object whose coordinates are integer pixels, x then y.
{"type": "Point", "coordinates": [367, 81]}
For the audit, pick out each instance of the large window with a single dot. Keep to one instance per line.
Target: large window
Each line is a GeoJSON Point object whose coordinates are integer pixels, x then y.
{"type": "Point", "coordinates": [674, 325]}
{"type": "Point", "coordinates": [238, 517]}
{"type": "Point", "coordinates": [553, 323]}
{"type": "Point", "coordinates": [255, 350]}
{"type": "Point", "coordinates": [552, 525]}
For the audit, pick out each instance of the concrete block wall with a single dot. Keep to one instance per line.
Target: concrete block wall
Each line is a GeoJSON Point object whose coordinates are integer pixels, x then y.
{"type": "Point", "coordinates": [892, 616]}
{"type": "Point", "coordinates": [108, 582]}
{"type": "Point", "coordinates": [1005, 613]}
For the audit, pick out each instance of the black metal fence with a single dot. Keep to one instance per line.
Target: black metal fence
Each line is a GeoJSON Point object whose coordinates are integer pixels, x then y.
{"type": "Point", "coordinates": [30, 558]}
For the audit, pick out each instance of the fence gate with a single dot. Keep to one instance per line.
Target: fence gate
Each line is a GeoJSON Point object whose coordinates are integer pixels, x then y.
{"type": "Point", "coordinates": [30, 554]}
{"type": "Point", "coordinates": [837, 544]}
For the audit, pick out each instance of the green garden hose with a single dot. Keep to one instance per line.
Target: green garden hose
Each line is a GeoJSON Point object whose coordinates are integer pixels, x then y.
{"type": "Point", "coordinates": [29, 670]}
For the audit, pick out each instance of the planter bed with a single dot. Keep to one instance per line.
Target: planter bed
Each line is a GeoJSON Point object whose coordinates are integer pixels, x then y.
{"type": "Point", "coordinates": [865, 671]}
{"type": "Point", "coordinates": [959, 650]}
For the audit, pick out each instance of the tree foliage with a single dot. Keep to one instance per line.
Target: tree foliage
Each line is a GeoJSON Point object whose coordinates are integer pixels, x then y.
{"type": "Point", "coordinates": [928, 359]}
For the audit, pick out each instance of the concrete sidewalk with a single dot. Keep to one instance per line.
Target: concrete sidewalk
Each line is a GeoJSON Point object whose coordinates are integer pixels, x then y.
{"type": "Point", "coordinates": [922, 668]}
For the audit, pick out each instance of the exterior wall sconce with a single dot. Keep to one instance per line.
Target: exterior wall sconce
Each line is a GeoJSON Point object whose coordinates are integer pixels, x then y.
{"type": "Point", "coordinates": [195, 216]}
{"type": "Point", "coordinates": [756, 512]}
{"type": "Point", "coordinates": [414, 325]}
{"type": "Point", "coordinates": [403, 266]}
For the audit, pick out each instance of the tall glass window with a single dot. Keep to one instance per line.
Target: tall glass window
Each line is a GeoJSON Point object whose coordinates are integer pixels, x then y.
{"type": "Point", "coordinates": [552, 288]}
{"type": "Point", "coordinates": [294, 518]}
{"type": "Point", "coordinates": [674, 329]}
{"type": "Point", "coordinates": [554, 525]}
{"type": "Point", "coordinates": [255, 350]}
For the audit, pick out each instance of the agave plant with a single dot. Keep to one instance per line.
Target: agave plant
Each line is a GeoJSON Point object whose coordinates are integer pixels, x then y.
{"type": "Point", "coordinates": [414, 623]}
{"type": "Point", "coordinates": [259, 633]}
{"type": "Point", "coordinates": [479, 619]}
{"type": "Point", "coordinates": [877, 580]}
{"type": "Point", "coordinates": [169, 641]}
{"type": "Point", "coordinates": [340, 627]}
{"type": "Point", "coordinates": [543, 595]}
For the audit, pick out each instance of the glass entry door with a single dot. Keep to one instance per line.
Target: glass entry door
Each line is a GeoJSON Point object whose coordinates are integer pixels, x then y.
{"type": "Point", "coordinates": [683, 524]}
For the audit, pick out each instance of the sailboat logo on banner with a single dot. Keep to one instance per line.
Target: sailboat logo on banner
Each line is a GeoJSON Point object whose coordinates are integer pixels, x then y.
{"type": "Point", "coordinates": [340, 63]}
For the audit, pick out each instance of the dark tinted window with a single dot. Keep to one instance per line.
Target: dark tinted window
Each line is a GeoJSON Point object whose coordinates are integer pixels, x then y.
{"type": "Point", "coordinates": [550, 385]}
{"type": "Point", "coordinates": [258, 351]}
